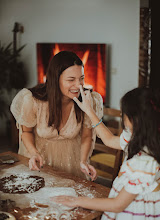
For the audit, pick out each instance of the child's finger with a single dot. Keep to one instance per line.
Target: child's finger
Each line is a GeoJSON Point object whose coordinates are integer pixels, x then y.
{"type": "Point", "coordinates": [77, 101]}
{"type": "Point", "coordinates": [87, 95]}
{"type": "Point", "coordinates": [82, 92]}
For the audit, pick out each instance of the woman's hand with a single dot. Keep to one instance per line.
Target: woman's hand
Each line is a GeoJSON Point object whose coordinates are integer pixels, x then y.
{"type": "Point", "coordinates": [69, 201]}
{"type": "Point", "coordinates": [85, 105]}
{"type": "Point", "coordinates": [88, 170]}
{"type": "Point", "coordinates": [36, 162]}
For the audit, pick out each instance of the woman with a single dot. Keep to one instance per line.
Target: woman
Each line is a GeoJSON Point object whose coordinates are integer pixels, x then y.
{"type": "Point", "coordinates": [53, 129]}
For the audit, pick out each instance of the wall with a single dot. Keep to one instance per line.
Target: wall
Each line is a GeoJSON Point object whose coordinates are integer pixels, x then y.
{"type": "Point", "coordinates": [113, 22]}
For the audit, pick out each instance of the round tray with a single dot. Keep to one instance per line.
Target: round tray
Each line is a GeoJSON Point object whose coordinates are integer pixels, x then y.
{"type": "Point", "coordinates": [10, 216]}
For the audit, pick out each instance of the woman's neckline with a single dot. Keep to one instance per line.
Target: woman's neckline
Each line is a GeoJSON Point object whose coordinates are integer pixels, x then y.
{"type": "Point", "coordinates": [59, 131]}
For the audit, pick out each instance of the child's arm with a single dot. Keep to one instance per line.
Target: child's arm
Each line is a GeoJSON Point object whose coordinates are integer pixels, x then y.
{"type": "Point", "coordinates": [104, 133]}
{"type": "Point", "coordinates": [116, 205]}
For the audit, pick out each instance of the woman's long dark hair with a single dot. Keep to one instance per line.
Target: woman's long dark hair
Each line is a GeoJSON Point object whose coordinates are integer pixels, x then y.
{"type": "Point", "coordinates": [50, 91]}
{"type": "Point", "coordinates": [142, 107]}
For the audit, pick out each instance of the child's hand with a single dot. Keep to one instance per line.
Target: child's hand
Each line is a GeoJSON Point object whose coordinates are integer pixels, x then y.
{"type": "Point", "coordinates": [88, 170]}
{"type": "Point", "coordinates": [85, 105]}
{"type": "Point", "coordinates": [65, 200]}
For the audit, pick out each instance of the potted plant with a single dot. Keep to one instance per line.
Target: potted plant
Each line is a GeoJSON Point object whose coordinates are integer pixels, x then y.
{"type": "Point", "coordinates": [12, 79]}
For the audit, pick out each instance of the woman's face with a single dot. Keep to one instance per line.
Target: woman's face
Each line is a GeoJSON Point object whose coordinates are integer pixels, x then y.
{"type": "Point", "coordinates": [70, 81]}
{"type": "Point", "coordinates": [128, 124]}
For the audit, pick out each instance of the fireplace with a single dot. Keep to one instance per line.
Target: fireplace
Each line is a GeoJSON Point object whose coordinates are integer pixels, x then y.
{"type": "Point", "coordinates": [92, 55]}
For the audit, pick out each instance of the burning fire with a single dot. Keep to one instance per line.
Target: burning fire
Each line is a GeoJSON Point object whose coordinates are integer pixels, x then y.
{"type": "Point", "coordinates": [93, 81]}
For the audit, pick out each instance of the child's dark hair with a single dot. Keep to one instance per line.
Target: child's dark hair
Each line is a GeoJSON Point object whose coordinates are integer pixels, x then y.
{"type": "Point", "coordinates": [142, 107]}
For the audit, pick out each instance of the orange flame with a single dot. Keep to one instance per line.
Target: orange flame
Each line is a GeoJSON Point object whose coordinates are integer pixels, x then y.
{"type": "Point", "coordinates": [101, 82]}
{"type": "Point", "coordinates": [85, 57]}
{"type": "Point", "coordinates": [56, 49]}
{"type": "Point", "coordinates": [93, 81]}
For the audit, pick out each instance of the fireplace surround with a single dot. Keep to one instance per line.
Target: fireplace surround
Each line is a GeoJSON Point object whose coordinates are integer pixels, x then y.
{"type": "Point", "coordinates": [92, 55]}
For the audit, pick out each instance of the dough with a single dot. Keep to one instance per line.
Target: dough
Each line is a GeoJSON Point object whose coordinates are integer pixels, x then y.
{"type": "Point", "coordinates": [19, 184]}
{"type": "Point", "coordinates": [48, 192]}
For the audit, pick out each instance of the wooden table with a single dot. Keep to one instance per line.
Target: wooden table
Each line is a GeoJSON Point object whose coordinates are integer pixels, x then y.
{"type": "Point", "coordinates": [79, 213]}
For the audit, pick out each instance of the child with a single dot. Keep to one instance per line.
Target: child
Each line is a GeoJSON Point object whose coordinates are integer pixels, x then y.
{"type": "Point", "coordinates": [135, 193]}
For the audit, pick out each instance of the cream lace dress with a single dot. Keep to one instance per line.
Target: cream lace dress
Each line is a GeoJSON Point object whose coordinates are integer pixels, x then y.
{"type": "Point", "coordinates": [61, 151]}
{"type": "Point", "coordinates": [138, 175]}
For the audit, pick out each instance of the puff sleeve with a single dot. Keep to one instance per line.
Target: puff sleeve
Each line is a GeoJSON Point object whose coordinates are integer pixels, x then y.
{"type": "Point", "coordinates": [23, 108]}
{"type": "Point", "coordinates": [97, 104]}
{"type": "Point", "coordinates": [139, 174]}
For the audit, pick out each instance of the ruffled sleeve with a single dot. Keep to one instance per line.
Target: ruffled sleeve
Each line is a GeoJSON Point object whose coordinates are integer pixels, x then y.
{"type": "Point", "coordinates": [23, 108]}
{"type": "Point", "coordinates": [97, 104]}
{"type": "Point", "coordinates": [140, 174]}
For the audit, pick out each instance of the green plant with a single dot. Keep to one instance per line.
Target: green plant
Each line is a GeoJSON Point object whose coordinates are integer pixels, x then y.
{"type": "Point", "coordinates": [12, 76]}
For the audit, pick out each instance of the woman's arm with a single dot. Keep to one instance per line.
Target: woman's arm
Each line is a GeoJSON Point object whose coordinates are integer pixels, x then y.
{"type": "Point", "coordinates": [86, 143]}
{"type": "Point", "coordinates": [104, 133]}
{"type": "Point", "coordinates": [116, 205]}
{"type": "Point", "coordinates": [29, 142]}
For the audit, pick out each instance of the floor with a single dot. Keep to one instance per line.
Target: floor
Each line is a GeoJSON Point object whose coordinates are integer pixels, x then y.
{"type": "Point", "coordinates": [6, 146]}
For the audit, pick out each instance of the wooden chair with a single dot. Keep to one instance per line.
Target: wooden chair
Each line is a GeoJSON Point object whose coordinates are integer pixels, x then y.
{"type": "Point", "coordinates": [106, 160]}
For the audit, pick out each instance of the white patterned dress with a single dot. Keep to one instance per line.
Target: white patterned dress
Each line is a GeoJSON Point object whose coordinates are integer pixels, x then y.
{"type": "Point", "coordinates": [138, 175]}
{"type": "Point", "coordinates": [59, 150]}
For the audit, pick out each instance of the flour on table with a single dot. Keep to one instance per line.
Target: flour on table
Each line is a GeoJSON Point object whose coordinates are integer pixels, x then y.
{"type": "Point", "coordinates": [50, 180]}
{"type": "Point", "coordinates": [40, 200]}
{"type": "Point", "coordinates": [20, 184]}
{"type": "Point", "coordinates": [22, 170]}
{"type": "Point", "coordinates": [46, 193]}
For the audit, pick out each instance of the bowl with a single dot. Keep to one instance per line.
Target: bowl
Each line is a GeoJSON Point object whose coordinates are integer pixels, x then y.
{"type": "Point", "coordinates": [6, 216]}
